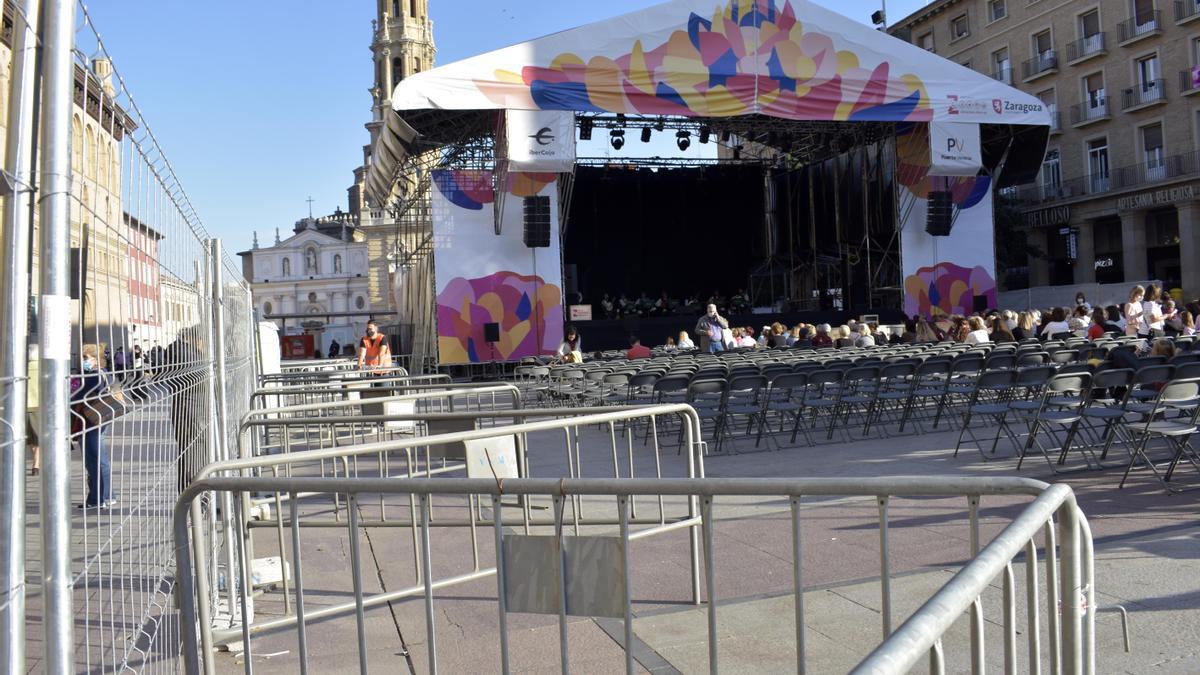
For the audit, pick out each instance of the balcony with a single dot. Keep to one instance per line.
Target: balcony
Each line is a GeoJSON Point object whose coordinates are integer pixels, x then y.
{"type": "Point", "coordinates": [1003, 74]}
{"type": "Point", "coordinates": [1186, 11]}
{"type": "Point", "coordinates": [1086, 48]}
{"type": "Point", "coordinates": [1045, 63]}
{"type": "Point", "coordinates": [1095, 110]}
{"type": "Point", "coordinates": [1140, 27]}
{"type": "Point", "coordinates": [1188, 82]}
{"type": "Point", "coordinates": [1158, 169]}
{"type": "Point", "coordinates": [1143, 95]}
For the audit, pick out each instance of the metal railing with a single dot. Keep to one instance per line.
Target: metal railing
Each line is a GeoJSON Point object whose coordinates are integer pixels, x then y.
{"type": "Point", "coordinates": [1089, 45]}
{"type": "Point", "coordinates": [1003, 74]}
{"type": "Point", "coordinates": [1139, 26]}
{"type": "Point", "coordinates": [1090, 111]}
{"type": "Point", "coordinates": [1187, 82]}
{"type": "Point", "coordinates": [1145, 93]}
{"type": "Point", "coordinates": [1186, 10]}
{"type": "Point", "coordinates": [1171, 167]}
{"type": "Point", "coordinates": [1065, 639]}
{"type": "Point", "coordinates": [1042, 63]}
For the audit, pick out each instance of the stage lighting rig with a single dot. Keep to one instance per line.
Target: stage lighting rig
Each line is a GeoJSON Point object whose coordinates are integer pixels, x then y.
{"type": "Point", "coordinates": [725, 135]}
{"type": "Point", "coordinates": [645, 134]}
{"type": "Point", "coordinates": [704, 133]}
{"type": "Point", "coordinates": [616, 138]}
{"type": "Point", "coordinates": [660, 124]}
{"type": "Point", "coordinates": [683, 139]}
{"type": "Point", "coordinates": [585, 129]}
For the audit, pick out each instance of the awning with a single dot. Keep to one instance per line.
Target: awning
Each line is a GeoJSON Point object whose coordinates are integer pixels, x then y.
{"type": "Point", "coordinates": [703, 58]}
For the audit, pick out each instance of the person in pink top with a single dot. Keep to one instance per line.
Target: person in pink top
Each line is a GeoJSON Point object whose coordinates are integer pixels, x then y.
{"type": "Point", "coordinates": [636, 350]}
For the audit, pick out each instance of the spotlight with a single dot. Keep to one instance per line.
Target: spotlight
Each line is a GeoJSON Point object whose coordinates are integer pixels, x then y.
{"type": "Point", "coordinates": [645, 134]}
{"type": "Point", "coordinates": [660, 124]}
{"type": "Point", "coordinates": [683, 139]}
{"type": "Point", "coordinates": [724, 135]}
{"type": "Point", "coordinates": [617, 138]}
{"type": "Point", "coordinates": [704, 132]}
{"type": "Point", "coordinates": [585, 129]}
{"type": "Point", "coordinates": [737, 152]}
{"type": "Point", "coordinates": [621, 119]}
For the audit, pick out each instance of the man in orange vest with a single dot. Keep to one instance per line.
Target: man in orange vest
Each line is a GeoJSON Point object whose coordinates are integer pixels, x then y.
{"type": "Point", "coordinates": [373, 350]}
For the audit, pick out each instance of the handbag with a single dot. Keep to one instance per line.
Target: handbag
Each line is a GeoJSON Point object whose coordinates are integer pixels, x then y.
{"type": "Point", "coordinates": [107, 408]}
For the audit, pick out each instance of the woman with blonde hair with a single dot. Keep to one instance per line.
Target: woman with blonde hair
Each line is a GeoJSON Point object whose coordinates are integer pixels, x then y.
{"type": "Point", "coordinates": [1133, 310]}
{"type": "Point", "coordinates": [924, 332]}
{"type": "Point", "coordinates": [1024, 329]}
{"type": "Point", "coordinates": [684, 341]}
{"type": "Point", "coordinates": [841, 337]}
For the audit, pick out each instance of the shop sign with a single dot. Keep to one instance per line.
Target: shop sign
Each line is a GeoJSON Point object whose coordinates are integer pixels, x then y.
{"type": "Point", "coordinates": [1103, 263]}
{"type": "Point", "coordinates": [1055, 215]}
{"type": "Point", "coordinates": [1157, 198]}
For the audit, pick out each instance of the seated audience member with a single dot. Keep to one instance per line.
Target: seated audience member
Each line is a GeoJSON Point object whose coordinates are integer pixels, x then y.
{"type": "Point", "coordinates": [1099, 324]}
{"type": "Point", "coordinates": [1163, 347]}
{"type": "Point", "coordinates": [1079, 320]}
{"type": "Point", "coordinates": [669, 346]}
{"type": "Point", "coordinates": [685, 341]}
{"type": "Point", "coordinates": [822, 339]}
{"type": "Point", "coordinates": [976, 333]}
{"type": "Point", "coordinates": [1010, 319]}
{"type": "Point", "coordinates": [865, 339]}
{"type": "Point", "coordinates": [1000, 330]}
{"type": "Point", "coordinates": [779, 336]}
{"type": "Point", "coordinates": [804, 339]}
{"type": "Point", "coordinates": [1024, 329]}
{"type": "Point", "coordinates": [571, 349]}
{"type": "Point", "coordinates": [841, 337]}
{"type": "Point", "coordinates": [1057, 327]}
{"type": "Point", "coordinates": [747, 340]}
{"type": "Point", "coordinates": [636, 350]}
{"type": "Point", "coordinates": [793, 336]}
{"type": "Point", "coordinates": [1116, 317]}
{"type": "Point", "coordinates": [764, 337]}
{"type": "Point", "coordinates": [923, 331]}
{"type": "Point", "coordinates": [1188, 321]}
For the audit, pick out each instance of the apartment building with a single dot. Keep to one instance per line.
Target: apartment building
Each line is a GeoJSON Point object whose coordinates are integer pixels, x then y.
{"type": "Point", "coordinates": [1117, 197]}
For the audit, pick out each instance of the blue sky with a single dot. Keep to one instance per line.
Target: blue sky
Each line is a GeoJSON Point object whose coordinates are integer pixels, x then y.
{"type": "Point", "coordinates": [260, 104]}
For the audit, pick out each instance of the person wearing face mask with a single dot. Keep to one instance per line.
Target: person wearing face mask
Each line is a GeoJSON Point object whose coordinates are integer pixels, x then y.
{"type": "Point", "coordinates": [373, 350]}
{"type": "Point", "coordinates": [94, 384]}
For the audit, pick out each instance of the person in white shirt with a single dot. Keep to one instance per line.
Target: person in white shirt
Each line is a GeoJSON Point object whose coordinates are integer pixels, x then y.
{"type": "Point", "coordinates": [1152, 314]}
{"type": "Point", "coordinates": [684, 341]}
{"type": "Point", "coordinates": [1057, 324]}
{"type": "Point", "coordinates": [570, 351]}
{"type": "Point", "coordinates": [978, 334]}
{"type": "Point", "coordinates": [746, 340]}
{"type": "Point", "coordinates": [1133, 310]}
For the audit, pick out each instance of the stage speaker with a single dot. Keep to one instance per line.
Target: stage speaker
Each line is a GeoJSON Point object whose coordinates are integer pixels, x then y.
{"type": "Point", "coordinates": [537, 222]}
{"type": "Point", "coordinates": [980, 304]}
{"type": "Point", "coordinates": [491, 332]}
{"type": "Point", "coordinates": [940, 215]}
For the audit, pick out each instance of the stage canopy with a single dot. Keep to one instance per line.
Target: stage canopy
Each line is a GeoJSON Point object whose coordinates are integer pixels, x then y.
{"type": "Point", "coordinates": [778, 59]}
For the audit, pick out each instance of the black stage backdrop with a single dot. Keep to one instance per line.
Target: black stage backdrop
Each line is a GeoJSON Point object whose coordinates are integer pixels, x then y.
{"type": "Point", "coordinates": [686, 230]}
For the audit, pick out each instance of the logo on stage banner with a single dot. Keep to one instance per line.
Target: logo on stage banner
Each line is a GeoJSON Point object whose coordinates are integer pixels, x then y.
{"type": "Point", "coordinates": [954, 149]}
{"type": "Point", "coordinates": [541, 140]}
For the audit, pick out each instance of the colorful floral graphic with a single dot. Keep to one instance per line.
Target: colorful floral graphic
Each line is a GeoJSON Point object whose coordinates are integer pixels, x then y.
{"type": "Point", "coordinates": [528, 309]}
{"type": "Point", "coordinates": [947, 288]}
{"type": "Point", "coordinates": [913, 160]}
{"type": "Point", "coordinates": [750, 57]}
{"type": "Point", "coordinates": [472, 188]}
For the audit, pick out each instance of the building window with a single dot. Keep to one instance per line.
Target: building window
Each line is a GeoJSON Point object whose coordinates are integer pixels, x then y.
{"type": "Point", "coordinates": [311, 265]}
{"type": "Point", "coordinates": [1051, 102]}
{"type": "Point", "coordinates": [996, 10]}
{"type": "Point", "coordinates": [360, 302]}
{"type": "Point", "coordinates": [1094, 96]}
{"type": "Point", "coordinates": [287, 267]}
{"type": "Point", "coordinates": [959, 28]}
{"type": "Point", "coordinates": [1089, 31]}
{"type": "Point", "coordinates": [395, 7]}
{"type": "Point", "coordinates": [1043, 47]}
{"type": "Point", "coordinates": [416, 64]}
{"type": "Point", "coordinates": [1143, 16]}
{"type": "Point", "coordinates": [1097, 162]}
{"type": "Point", "coordinates": [1051, 176]}
{"type": "Point", "coordinates": [926, 41]}
{"type": "Point", "coordinates": [1001, 66]}
{"type": "Point", "coordinates": [412, 8]}
{"type": "Point", "coordinates": [1147, 72]}
{"type": "Point", "coordinates": [1152, 151]}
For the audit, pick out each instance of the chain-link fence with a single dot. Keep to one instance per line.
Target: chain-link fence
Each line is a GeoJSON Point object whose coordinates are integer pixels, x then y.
{"type": "Point", "coordinates": [117, 392]}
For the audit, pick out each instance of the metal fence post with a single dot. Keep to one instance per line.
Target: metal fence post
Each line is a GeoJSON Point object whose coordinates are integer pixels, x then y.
{"type": "Point", "coordinates": [14, 357]}
{"type": "Point", "coordinates": [55, 333]}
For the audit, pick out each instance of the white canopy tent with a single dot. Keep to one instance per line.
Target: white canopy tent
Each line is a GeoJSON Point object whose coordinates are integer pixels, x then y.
{"type": "Point", "coordinates": [786, 59]}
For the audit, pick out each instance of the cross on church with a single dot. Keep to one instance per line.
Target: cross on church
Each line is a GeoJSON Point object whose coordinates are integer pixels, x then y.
{"type": "Point", "coordinates": [310, 201]}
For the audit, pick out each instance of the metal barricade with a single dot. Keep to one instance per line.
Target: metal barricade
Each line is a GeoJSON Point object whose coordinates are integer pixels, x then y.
{"type": "Point", "coordinates": [541, 574]}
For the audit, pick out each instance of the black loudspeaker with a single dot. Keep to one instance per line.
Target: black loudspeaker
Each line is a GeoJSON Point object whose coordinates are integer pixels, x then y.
{"type": "Point", "coordinates": [537, 222]}
{"type": "Point", "coordinates": [491, 332]}
{"type": "Point", "coordinates": [940, 215]}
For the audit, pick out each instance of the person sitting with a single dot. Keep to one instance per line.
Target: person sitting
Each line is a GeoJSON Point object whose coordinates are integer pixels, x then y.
{"type": "Point", "coordinates": [976, 333]}
{"type": "Point", "coordinates": [779, 336]}
{"type": "Point", "coordinates": [1188, 322]}
{"type": "Point", "coordinates": [1000, 330]}
{"type": "Point", "coordinates": [804, 338]}
{"type": "Point", "coordinates": [747, 338]}
{"type": "Point", "coordinates": [570, 351]}
{"type": "Point", "coordinates": [793, 336]}
{"type": "Point", "coordinates": [1099, 325]}
{"type": "Point", "coordinates": [1079, 320]}
{"type": "Point", "coordinates": [841, 337]}
{"type": "Point", "coordinates": [636, 350]}
{"type": "Point", "coordinates": [684, 341]}
{"type": "Point", "coordinates": [822, 339]}
{"type": "Point", "coordinates": [669, 346]}
{"type": "Point", "coordinates": [1057, 327]}
{"type": "Point", "coordinates": [1024, 329]}
{"type": "Point", "coordinates": [866, 339]}
{"type": "Point", "coordinates": [606, 305]}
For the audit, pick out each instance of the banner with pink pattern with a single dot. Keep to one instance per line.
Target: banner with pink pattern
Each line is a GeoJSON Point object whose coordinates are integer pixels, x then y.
{"type": "Point", "coordinates": [719, 58]}
{"type": "Point", "coordinates": [481, 277]}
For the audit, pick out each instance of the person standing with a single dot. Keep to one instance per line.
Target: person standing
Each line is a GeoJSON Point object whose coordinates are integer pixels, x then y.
{"type": "Point", "coordinates": [335, 349]}
{"type": "Point", "coordinates": [373, 350]}
{"type": "Point", "coordinates": [1133, 311]}
{"type": "Point", "coordinates": [710, 329]}
{"type": "Point", "coordinates": [93, 385]}
{"type": "Point", "coordinates": [1152, 314]}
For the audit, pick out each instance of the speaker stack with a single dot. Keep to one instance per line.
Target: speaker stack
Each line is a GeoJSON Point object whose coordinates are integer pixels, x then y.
{"type": "Point", "coordinates": [940, 215]}
{"type": "Point", "coordinates": [537, 222]}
